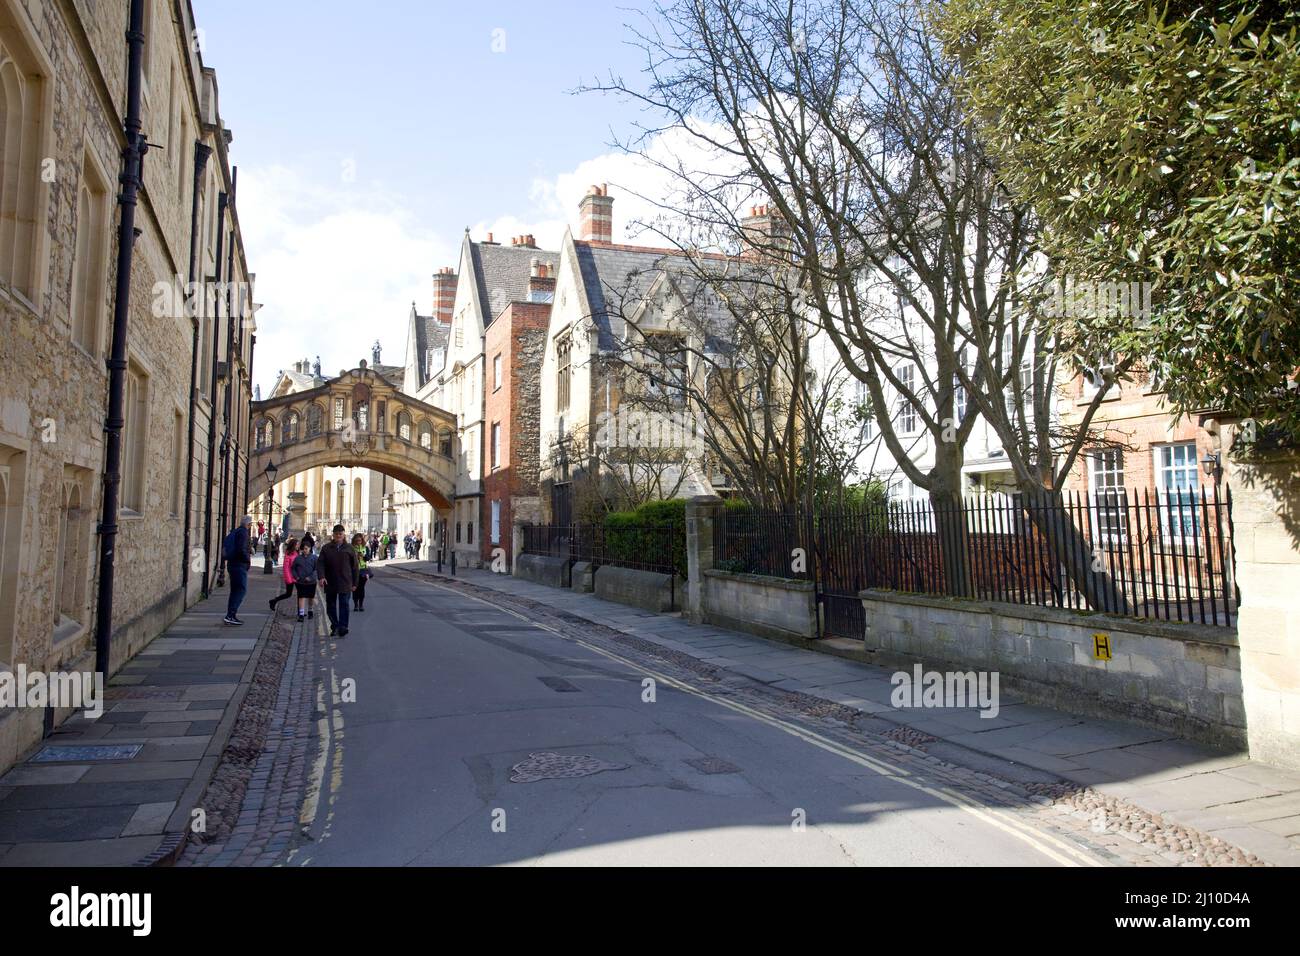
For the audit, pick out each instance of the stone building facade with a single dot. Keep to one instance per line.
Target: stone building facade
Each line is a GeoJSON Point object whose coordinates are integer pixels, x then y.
{"type": "Point", "coordinates": [63, 81]}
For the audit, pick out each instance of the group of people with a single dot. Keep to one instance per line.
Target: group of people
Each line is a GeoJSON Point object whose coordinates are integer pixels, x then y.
{"type": "Point", "coordinates": [341, 567]}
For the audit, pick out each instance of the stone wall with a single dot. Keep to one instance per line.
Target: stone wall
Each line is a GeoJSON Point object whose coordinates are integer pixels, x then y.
{"type": "Point", "coordinates": [1183, 678]}
{"type": "Point", "coordinates": [643, 589]}
{"type": "Point", "coordinates": [553, 572]}
{"type": "Point", "coordinates": [53, 380]}
{"type": "Point", "coordinates": [1265, 486]}
{"type": "Point", "coordinates": [770, 607]}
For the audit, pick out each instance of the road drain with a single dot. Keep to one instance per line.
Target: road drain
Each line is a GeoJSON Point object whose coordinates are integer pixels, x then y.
{"type": "Point", "coordinates": [713, 765]}
{"type": "Point", "coordinates": [545, 765]}
{"type": "Point", "coordinates": [560, 685]}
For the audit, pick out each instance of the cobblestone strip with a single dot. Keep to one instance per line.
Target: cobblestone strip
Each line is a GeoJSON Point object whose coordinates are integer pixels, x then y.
{"type": "Point", "coordinates": [1110, 829]}
{"type": "Point", "coordinates": [253, 801]}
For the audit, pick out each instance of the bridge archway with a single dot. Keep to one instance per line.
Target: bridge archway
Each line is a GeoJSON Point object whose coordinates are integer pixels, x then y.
{"type": "Point", "coordinates": [357, 420]}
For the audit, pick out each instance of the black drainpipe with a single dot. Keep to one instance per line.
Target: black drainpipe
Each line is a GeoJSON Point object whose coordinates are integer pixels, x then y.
{"type": "Point", "coordinates": [229, 439]}
{"type": "Point", "coordinates": [201, 153]}
{"type": "Point", "coordinates": [132, 163]}
{"type": "Point", "coordinates": [212, 401]}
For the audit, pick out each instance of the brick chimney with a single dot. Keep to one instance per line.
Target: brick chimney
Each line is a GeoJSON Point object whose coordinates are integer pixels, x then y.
{"type": "Point", "coordinates": [596, 215]}
{"type": "Point", "coordinates": [444, 294]}
{"type": "Point", "coordinates": [766, 234]}
{"type": "Point", "coordinates": [524, 242]}
{"type": "Point", "coordinates": [541, 283]}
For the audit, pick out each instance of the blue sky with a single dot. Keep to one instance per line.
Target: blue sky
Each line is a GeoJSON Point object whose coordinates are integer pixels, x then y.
{"type": "Point", "coordinates": [369, 135]}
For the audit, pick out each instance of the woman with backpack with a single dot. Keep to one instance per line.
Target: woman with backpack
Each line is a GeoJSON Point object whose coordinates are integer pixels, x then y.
{"type": "Point", "coordinates": [359, 595]}
{"type": "Point", "coordinates": [304, 578]}
{"type": "Point", "coordinates": [290, 550]}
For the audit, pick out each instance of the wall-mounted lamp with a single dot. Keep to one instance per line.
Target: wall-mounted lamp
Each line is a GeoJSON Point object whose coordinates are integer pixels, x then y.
{"type": "Point", "coordinates": [1211, 466]}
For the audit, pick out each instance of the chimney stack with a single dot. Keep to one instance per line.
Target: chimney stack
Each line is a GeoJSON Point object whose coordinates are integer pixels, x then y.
{"type": "Point", "coordinates": [444, 294]}
{"type": "Point", "coordinates": [596, 215]}
{"type": "Point", "coordinates": [524, 242]}
{"type": "Point", "coordinates": [541, 284]}
{"type": "Point", "coordinates": [766, 234]}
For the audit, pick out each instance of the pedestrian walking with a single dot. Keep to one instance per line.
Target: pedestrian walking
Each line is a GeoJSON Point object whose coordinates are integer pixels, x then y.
{"type": "Point", "coordinates": [304, 577]}
{"type": "Point", "coordinates": [363, 574]}
{"type": "Point", "coordinates": [338, 571]}
{"type": "Point", "coordinates": [237, 551]}
{"type": "Point", "coordinates": [290, 552]}
{"type": "Point", "coordinates": [383, 546]}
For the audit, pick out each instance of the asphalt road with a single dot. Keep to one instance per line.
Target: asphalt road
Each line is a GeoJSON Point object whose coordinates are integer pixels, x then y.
{"type": "Point", "coordinates": [453, 694]}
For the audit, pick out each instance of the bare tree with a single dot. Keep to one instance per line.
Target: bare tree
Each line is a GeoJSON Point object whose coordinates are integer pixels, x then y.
{"type": "Point", "coordinates": [908, 252]}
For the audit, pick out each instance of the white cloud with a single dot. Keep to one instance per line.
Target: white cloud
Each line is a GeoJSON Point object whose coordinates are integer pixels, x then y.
{"type": "Point", "coordinates": [337, 268]}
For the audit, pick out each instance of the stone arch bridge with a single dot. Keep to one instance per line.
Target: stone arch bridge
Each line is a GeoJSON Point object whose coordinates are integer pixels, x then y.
{"type": "Point", "coordinates": [359, 420]}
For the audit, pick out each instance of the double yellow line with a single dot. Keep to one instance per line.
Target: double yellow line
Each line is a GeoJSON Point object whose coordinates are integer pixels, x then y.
{"type": "Point", "coordinates": [1056, 849]}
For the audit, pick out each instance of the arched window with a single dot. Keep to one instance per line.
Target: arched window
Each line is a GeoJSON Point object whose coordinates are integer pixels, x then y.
{"type": "Point", "coordinates": [22, 105]}
{"type": "Point", "coordinates": [289, 430]}
{"type": "Point", "coordinates": [89, 281]}
{"type": "Point", "coordinates": [265, 434]}
{"type": "Point", "coordinates": [315, 415]}
{"type": "Point", "coordinates": [426, 435]}
{"type": "Point", "coordinates": [404, 426]}
{"type": "Point", "coordinates": [444, 443]}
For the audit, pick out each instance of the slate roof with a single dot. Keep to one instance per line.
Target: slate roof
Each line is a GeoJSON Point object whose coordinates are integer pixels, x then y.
{"type": "Point", "coordinates": [618, 278]}
{"type": "Point", "coordinates": [502, 274]}
{"type": "Point", "coordinates": [430, 336]}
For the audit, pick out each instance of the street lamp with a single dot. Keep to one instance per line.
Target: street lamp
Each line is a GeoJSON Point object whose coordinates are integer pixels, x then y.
{"type": "Point", "coordinates": [270, 513]}
{"type": "Point", "coordinates": [1212, 466]}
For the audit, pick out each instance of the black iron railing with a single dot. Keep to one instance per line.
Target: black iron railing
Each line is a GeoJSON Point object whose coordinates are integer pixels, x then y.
{"type": "Point", "coordinates": [1165, 556]}
{"type": "Point", "coordinates": [659, 548]}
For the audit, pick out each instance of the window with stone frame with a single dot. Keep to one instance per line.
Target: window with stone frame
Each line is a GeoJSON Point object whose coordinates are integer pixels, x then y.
{"type": "Point", "coordinates": [13, 474]}
{"type": "Point", "coordinates": [426, 435]}
{"type": "Point", "coordinates": [563, 354]}
{"type": "Point", "coordinates": [664, 364]}
{"type": "Point", "coordinates": [71, 569]}
{"type": "Point", "coordinates": [24, 102]}
{"type": "Point", "coordinates": [90, 261]}
{"type": "Point", "coordinates": [340, 413]}
{"type": "Point", "coordinates": [444, 443]}
{"type": "Point", "coordinates": [135, 439]}
{"type": "Point", "coordinates": [314, 419]}
{"type": "Point", "coordinates": [289, 428]}
{"type": "Point", "coordinates": [404, 425]}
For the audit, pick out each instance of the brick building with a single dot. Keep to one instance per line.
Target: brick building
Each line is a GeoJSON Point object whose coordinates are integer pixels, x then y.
{"type": "Point", "coordinates": [513, 347]}
{"type": "Point", "coordinates": [1145, 448]}
{"type": "Point", "coordinates": [63, 90]}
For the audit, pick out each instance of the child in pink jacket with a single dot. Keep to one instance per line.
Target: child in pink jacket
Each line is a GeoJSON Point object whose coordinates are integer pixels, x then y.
{"type": "Point", "coordinates": [290, 549]}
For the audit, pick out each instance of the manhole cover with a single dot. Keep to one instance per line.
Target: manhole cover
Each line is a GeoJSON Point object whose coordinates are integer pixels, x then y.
{"type": "Point", "coordinates": [546, 765]}
{"type": "Point", "coordinates": [560, 685]}
{"type": "Point", "coordinates": [713, 765]}
{"type": "Point", "coordinates": [85, 752]}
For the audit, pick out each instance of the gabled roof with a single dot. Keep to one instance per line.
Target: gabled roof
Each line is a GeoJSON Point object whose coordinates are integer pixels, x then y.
{"type": "Point", "coordinates": [619, 279]}
{"type": "Point", "coordinates": [430, 336]}
{"type": "Point", "coordinates": [501, 274]}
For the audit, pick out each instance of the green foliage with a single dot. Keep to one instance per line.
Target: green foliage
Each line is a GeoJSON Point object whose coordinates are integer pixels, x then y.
{"type": "Point", "coordinates": [641, 536]}
{"type": "Point", "coordinates": [1157, 142]}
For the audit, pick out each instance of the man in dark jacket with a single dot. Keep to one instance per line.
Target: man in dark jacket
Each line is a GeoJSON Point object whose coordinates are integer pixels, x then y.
{"type": "Point", "coordinates": [338, 569]}
{"type": "Point", "coordinates": [238, 548]}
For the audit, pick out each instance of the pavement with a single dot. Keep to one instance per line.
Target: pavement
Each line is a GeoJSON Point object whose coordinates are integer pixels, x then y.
{"type": "Point", "coordinates": [119, 790]}
{"type": "Point", "coordinates": [1244, 803]}
{"type": "Point", "coordinates": [446, 730]}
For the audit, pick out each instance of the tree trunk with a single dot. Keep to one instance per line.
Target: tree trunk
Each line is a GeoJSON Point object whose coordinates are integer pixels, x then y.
{"type": "Point", "coordinates": [953, 542]}
{"type": "Point", "coordinates": [1069, 549]}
